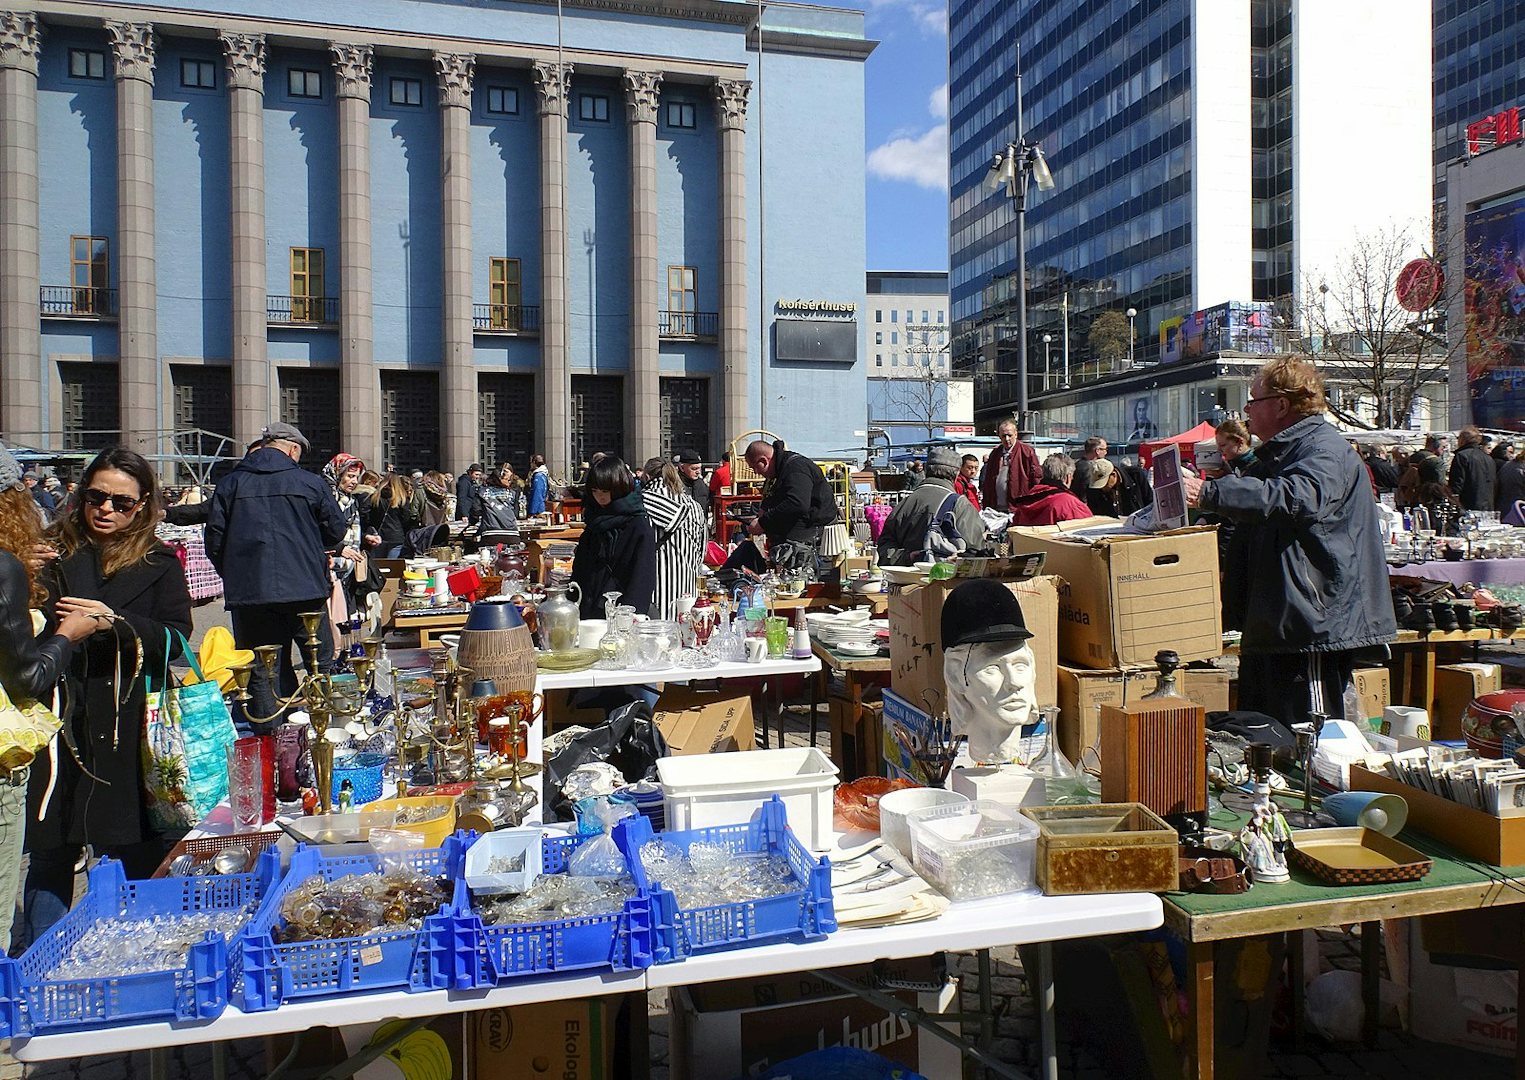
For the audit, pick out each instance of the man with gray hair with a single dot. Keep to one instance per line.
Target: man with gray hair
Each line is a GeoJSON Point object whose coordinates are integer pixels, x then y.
{"type": "Point", "coordinates": [934, 502]}
{"type": "Point", "coordinates": [1051, 501]}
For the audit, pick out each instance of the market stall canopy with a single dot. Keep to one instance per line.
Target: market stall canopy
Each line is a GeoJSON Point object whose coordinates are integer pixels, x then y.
{"type": "Point", "coordinates": [1187, 441]}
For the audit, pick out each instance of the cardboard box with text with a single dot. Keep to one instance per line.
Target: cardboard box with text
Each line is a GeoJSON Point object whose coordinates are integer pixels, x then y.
{"type": "Point", "coordinates": [704, 721]}
{"type": "Point", "coordinates": [1083, 691]}
{"type": "Point", "coordinates": [558, 1040]}
{"type": "Point", "coordinates": [1455, 687]}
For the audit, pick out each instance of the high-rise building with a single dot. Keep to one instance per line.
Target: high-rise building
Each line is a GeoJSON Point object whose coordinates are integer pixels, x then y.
{"type": "Point", "coordinates": [1203, 152]}
{"type": "Point", "coordinates": [905, 351]}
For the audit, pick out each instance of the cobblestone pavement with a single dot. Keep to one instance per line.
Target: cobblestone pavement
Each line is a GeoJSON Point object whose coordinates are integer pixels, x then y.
{"type": "Point", "coordinates": [1397, 1054]}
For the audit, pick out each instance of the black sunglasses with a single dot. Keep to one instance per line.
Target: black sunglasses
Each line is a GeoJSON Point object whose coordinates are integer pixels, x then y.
{"type": "Point", "coordinates": [122, 504]}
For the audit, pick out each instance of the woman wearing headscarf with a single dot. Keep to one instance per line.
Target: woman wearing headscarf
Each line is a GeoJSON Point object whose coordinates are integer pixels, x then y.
{"type": "Point", "coordinates": [678, 525]}
{"type": "Point", "coordinates": [29, 669]}
{"type": "Point", "coordinates": [88, 788]}
{"type": "Point", "coordinates": [349, 565]}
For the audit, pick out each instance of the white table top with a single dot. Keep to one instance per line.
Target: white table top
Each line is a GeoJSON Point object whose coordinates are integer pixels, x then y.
{"type": "Point", "coordinates": [573, 680]}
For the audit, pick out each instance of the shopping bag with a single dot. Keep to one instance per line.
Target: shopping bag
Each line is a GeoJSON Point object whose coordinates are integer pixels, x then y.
{"type": "Point", "coordinates": [186, 734]}
{"type": "Point", "coordinates": [25, 726]}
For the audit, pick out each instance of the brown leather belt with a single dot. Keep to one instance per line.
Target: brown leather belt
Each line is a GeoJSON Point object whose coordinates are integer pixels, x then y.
{"type": "Point", "coordinates": [1205, 870]}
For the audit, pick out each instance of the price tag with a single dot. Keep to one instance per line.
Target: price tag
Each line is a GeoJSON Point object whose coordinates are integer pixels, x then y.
{"type": "Point", "coordinates": [369, 955]}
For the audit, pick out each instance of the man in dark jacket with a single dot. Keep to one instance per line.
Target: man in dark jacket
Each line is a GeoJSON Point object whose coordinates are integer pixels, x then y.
{"type": "Point", "coordinates": [903, 539]}
{"type": "Point", "coordinates": [1313, 550]}
{"type": "Point", "coordinates": [1474, 478]}
{"type": "Point", "coordinates": [1011, 470]}
{"type": "Point", "coordinates": [691, 468]}
{"type": "Point", "coordinates": [468, 495]}
{"type": "Point", "coordinates": [797, 502]}
{"type": "Point", "coordinates": [1511, 484]}
{"type": "Point", "coordinates": [269, 534]}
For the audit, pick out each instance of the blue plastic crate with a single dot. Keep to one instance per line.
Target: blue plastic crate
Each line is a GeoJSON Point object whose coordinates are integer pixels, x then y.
{"type": "Point", "coordinates": [34, 1005]}
{"type": "Point", "coordinates": [487, 956]}
{"type": "Point", "coordinates": [806, 914]}
{"type": "Point", "coordinates": [405, 958]}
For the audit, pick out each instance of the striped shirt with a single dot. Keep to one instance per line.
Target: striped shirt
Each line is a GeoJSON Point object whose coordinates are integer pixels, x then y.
{"type": "Point", "coordinates": [679, 525]}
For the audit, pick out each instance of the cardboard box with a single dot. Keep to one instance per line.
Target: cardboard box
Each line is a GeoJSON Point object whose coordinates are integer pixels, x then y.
{"type": "Point", "coordinates": [1497, 841]}
{"type": "Point", "coordinates": [900, 715]}
{"type": "Point", "coordinates": [567, 1040]}
{"type": "Point", "coordinates": [704, 722]}
{"type": "Point", "coordinates": [561, 713]}
{"type": "Point", "coordinates": [855, 742]}
{"type": "Point", "coordinates": [1455, 687]}
{"type": "Point", "coordinates": [1375, 687]}
{"type": "Point", "coordinates": [707, 1045]}
{"type": "Point", "coordinates": [904, 973]}
{"type": "Point", "coordinates": [1126, 597]}
{"type": "Point", "coordinates": [1476, 1007]}
{"type": "Point", "coordinates": [1083, 691]}
{"type": "Point", "coordinates": [916, 651]}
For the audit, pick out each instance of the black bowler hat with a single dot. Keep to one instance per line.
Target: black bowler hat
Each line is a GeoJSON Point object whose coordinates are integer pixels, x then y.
{"type": "Point", "coordinates": [982, 610]}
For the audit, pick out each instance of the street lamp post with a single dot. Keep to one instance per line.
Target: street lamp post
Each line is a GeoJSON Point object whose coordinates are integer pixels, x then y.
{"type": "Point", "coordinates": [1132, 314]}
{"type": "Point", "coordinates": [1046, 339]}
{"type": "Point", "coordinates": [1020, 160]}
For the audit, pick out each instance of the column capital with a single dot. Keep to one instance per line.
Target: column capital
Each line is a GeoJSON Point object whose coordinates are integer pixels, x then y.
{"type": "Point", "coordinates": [641, 91]}
{"type": "Point", "coordinates": [456, 72]}
{"type": "Point", "coordinates": [20, 40]}
{"type": "Point", "coordinates": [552, 91]}
{"type": "Point", "coordinates": [245, 54]}
{"type": "Point", "coordinates": [352, 68]}
{"type": "Point", "coordinates": [731, 102]}
{"type": "Point", "coordinates": [132, 49]}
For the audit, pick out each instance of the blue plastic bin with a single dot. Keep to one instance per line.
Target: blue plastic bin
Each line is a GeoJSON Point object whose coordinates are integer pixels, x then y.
{"type": "Point", "coordinates": [34, 1005]}
{"type": "Point", "coordinates": [411, 959]}
{"type": "Point", "coordinates": [487, 956]}
{"type": "Point", "coordinates": [803, 915]}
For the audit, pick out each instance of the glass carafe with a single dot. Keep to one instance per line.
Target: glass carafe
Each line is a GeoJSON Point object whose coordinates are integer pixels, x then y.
{"type": "Point", "coordinates": [614, 646]}
{"type": "Point", "coordinates": [559, 617]}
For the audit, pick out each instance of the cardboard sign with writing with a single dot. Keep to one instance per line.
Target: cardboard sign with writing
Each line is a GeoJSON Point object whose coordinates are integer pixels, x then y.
{"type": "Point", "coordinates": [567, 1040]}
{"type": "Point", "coordinates": [704, 722]}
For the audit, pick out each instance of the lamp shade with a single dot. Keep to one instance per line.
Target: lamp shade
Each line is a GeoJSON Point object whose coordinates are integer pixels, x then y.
{"type": "Point", "coordinates": [834, 541]}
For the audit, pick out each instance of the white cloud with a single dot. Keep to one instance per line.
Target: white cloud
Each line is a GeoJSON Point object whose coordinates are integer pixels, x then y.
{"type": "Point", "coordinates": [929, 18]}
{"type": "Point", "coordinates": [937, 103]}
{"type": "Point", "coordinates": [921, 160]}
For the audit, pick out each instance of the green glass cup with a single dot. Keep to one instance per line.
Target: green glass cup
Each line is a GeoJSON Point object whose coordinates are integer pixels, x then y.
{"type": "Point", "coordinates": [778, 636]}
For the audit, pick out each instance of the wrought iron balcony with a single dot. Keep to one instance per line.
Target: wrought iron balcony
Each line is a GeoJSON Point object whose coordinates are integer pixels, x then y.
{"type": "Point", "coordinates": [302, 310]}
{"type": "Point", "coordinates": [71, 302]}
{"type": "Point", "coordinates": [688, 324]}
{"type": "Point", "coordinates": [505, 319]}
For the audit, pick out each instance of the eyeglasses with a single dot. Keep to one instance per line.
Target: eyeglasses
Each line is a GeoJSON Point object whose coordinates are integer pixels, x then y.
{"type": "Point", "coordinates": [122, 504]}
{"type": "Point", "coordinates": [1256, 400]}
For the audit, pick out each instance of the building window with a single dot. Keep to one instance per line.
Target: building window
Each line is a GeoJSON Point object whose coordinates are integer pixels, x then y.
{"type": "Point", "coordinates": [593, 107]}
{"type": "Point", "coordinates": [924, 315]}
{"type": "Point", "coordinates": [504, 294]}
{"type": "Point", "coordinates": [941, 315]}
{"type": "Point", "coordinates": [409, 92]}
{"type": "Point", "coordinates": [910, 316]}
{"type": "Point", "coordinates": [680, 114]}
{"type": "Point", "coordinates": [304, 83]}
{"type": "Point", "coordinates": [306, 284]}
{"type": "Point", "coordinates": [89, 274]}
{"type": "Point", "coordinates": [894, 315]}
{"type": "Point", "coordinates": [894, 337]}
{"type": "Point", "coordinates": [878, 314]}
{"type": "Point", "coordinates": [198, 74]}
{"type": "Point", "coordinates": [502, 101]}
{"type": "Point", "coordinates": [878, 337]}
{"type": "Point", "coordinates": [878, 360]}
{"type": "Point", "coordinates": [87, 64]}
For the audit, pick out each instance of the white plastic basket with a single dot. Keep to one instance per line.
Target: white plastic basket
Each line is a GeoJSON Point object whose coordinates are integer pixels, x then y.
{"type": "Point", "coordinates": [700, 790]}
{"type": "Point", "coordinates": [961, 848]}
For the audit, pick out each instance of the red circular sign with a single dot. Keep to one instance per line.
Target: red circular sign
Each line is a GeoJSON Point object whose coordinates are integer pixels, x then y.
{"type": "Point", "coordinates": [1419, 284]}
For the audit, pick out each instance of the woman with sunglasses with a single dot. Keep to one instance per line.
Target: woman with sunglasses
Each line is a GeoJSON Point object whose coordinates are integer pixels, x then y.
{"type": "Point", "coordinates": [29, 666]}
{"type": "Point", "coordinates": [89, 788]}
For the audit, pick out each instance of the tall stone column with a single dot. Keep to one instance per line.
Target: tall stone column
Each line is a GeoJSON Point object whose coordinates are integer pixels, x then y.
{"type": "Point", "coordinates": [132, 50]}
{"type": "Point", "coordinates": [731, 113]}
{"type": "Point", "coordinates": [644, 391]}
{"type": "Point", "coordinates": [245, 55]}
{"type": "Point", "coordinates": [359, 382]}
{"type": "Point", "coordinates": [21, 416]}
{"type": "Point", "coordinates": [458, 377]}
{"type": "Point", "coordinates": [552, 86]}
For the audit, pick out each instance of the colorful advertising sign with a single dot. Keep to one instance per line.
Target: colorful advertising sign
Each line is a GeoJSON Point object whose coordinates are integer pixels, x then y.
{"type": "Point", "coordinates": [1496, 315]}
{"type": "Point", "coordinates": [1230, 327]}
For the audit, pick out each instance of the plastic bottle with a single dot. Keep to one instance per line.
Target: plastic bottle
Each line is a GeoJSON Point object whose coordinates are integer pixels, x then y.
{"type": "Point", "coordinates": [1355, 712]}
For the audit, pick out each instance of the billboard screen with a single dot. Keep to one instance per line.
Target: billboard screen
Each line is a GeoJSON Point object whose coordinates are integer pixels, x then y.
{"type": "Point", "coordinates": [1232, 327]}
{"type": "Point", "coordinates": [1496, 315]}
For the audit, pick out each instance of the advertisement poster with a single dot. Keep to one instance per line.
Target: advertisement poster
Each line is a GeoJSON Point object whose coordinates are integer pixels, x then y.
{"type": "Point", "coordinates": [1496, 315]}
{"type": "Point", "coordinates": [1140, 420]}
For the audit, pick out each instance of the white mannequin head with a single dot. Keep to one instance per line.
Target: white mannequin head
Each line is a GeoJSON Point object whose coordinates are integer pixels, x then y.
{"type": "Point", "coordinates": [991, 696]}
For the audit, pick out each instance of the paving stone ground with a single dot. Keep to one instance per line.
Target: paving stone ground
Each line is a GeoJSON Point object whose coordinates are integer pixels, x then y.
{"type": "Point", "coordinates": [1397, 1055]}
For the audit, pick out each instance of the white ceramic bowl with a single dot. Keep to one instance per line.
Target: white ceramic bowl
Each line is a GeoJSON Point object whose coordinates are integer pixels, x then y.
{"type": "Point", "coordinates": [901, 575]}
{"type": "Point", "coordinates": [894, 807]}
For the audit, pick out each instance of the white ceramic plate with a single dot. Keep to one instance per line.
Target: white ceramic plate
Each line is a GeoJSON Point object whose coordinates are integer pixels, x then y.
{"type": "Point", "coordinates": [901, 575]}
{"type": "Point", "coordinates": [857, 648]}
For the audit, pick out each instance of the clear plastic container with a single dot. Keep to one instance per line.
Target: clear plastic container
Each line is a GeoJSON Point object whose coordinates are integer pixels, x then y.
{"type": "Point", "coordinates": [975, 849]}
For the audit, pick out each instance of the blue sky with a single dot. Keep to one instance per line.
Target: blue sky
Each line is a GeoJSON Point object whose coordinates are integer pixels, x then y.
{"type": "Point", "coordinates": [907, 131]}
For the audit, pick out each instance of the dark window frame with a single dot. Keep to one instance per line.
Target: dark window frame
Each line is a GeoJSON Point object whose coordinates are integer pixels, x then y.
{"type": "Point", "coordinates": [412, 92]}
{"type": "Point", "coordinates": [307, 75]}
{"type": "Point", "coordinates": [197, 74]}
{"type": "Point", "coordinates": [590, 106]}
{"type": "Point", "coordinates": [505, 94]}
{"type": "Point", "coordinates": [90, 58]}
{"type": "Point", "coordinates": [684, 111]}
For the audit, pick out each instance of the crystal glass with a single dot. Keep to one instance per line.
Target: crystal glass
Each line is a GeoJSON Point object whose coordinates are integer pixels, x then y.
{"type": "Point", "coordinates": [251, 780]}
{"type": "Point", "coordinates": [654, 643]}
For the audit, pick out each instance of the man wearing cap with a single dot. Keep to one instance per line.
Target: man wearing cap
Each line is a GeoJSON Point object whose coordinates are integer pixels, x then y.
{"type": "Point", "coordinates": [692, 468]}
{"type": "Point", "coordinates": [468, 495]}
{"type": "Point", "coordinates": [269, 533]}
{"type": "Point", "coordinates": [903, 539]}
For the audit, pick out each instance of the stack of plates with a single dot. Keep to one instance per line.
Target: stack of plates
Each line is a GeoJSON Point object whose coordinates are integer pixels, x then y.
{"type": "Point", "coordinates": [903, 575]}
{"type": "Point", "coordinates": [829, 628]}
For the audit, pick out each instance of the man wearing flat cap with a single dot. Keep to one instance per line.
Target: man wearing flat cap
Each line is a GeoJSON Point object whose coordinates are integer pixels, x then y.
{"type": "Point", "coordinates": [269, 533]}
{"type": "Point", "coordinates": [691, 466]}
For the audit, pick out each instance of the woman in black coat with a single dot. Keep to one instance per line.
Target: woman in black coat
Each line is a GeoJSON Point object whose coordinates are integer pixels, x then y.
{"type": "Point", "coordinates": [89, 788]}
{"type": "Point", "coordinates": [618, 549]}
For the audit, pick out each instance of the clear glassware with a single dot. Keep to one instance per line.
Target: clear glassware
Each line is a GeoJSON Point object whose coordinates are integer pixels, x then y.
{"type": "Point", "coordinates": [654, 643]}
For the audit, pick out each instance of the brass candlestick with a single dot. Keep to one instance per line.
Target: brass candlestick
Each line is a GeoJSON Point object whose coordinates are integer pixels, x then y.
{"type": "Point", "coordinates": [313, 686]}
{"type": "Point", "coordinates": [322, 759]}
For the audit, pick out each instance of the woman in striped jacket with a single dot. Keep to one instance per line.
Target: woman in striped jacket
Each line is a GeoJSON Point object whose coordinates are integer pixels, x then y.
{"type": "Point", "coordinates": [679, 524]}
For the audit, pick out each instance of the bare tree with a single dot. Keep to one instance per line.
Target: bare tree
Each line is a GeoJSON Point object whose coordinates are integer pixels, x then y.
{"type": "Point", "coordinates": [920, 390]}
{"type": "Point", "coordinates": [1354, 327]}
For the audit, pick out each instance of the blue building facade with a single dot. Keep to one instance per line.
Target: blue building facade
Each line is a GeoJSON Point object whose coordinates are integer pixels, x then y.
{"type": "Point", "coordinates": [457, 255]}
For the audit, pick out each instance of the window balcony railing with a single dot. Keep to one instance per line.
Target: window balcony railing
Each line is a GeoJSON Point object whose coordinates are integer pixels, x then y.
{"type": "Point", "coordinates": [70, 302]}
{"type": "Point", "coordinates": [505, 319]}
{"type": "Point", "coordinates": [688, 324]}
{"type": "Point", "coordinates": [302, 310]}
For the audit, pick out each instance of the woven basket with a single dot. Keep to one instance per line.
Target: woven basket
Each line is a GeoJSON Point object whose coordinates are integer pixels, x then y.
{"type": "Point", "coordinates": [507, 657]}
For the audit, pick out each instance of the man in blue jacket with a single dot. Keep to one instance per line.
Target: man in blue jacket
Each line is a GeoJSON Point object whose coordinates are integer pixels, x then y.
{"type": "Point", "coordinates": [269, 533]}
{"type": "Point", "coordinates": [1317, 578]}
